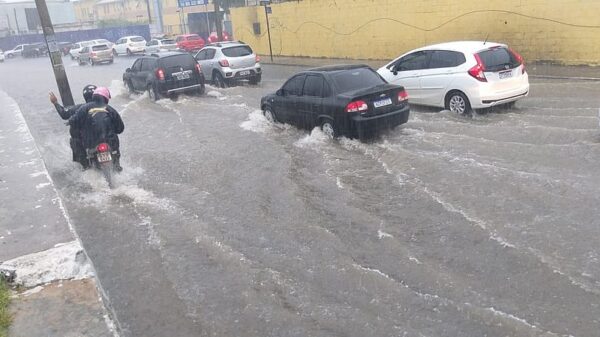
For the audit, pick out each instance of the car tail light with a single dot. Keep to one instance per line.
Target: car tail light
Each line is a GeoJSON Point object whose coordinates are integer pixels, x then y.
{"type": "Point", "coordinates": [519, 59]}
{"type": "Point", "coordinates": [357, 106]}
{"type": "Point", "coordinates": [257, 58]}
{"type": "Point", "coordinates": [102, 147]}
{"type": "Point", "coordinates": [478, 69]}
{"type": "Point", "coordinates": [402, 96]}
{"type": "Point", "coordinates": [224, 63]}
{"type": "Point", "coordinates": [198, 68]}
{"type": "Point", "coordinates": [160, 74]}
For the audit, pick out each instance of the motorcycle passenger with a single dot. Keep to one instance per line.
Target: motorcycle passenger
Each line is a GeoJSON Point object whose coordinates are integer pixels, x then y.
{"type": "Point", "coordinates": [75, 142]}
{"type": "Point", "coordinates": [100, 122]}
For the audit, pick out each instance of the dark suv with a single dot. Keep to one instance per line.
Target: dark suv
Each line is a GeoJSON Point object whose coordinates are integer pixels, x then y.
{"type": "Point", "coordinates": [165, 74]}
{"type": "Point", "coordinates": [34, 50]}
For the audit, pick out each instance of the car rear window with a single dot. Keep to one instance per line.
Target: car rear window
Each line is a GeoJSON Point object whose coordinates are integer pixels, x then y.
{"type": "Point", "coordinates": [168, 41]}
{"type": "Point", "coordinates": [354, 79]}
{"type": "Point", "coordinates": [100, 47]}
{"type": "Point", "coordinates": [193, 37]}
{"type": "Point", "coordinates": [496, 59]}
{"type": "Point", "coordinates": [185, 61]}
{"type": "Point", "coordinates": [237, 51]}
{"type": "Point", "coordinates": [137, 39]}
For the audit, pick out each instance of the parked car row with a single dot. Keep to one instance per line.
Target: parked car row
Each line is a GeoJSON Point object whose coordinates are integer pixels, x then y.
{"type": "Point", "coordinates": [358, 102]}
{"type": "Point", "coordinates": [168, 73]}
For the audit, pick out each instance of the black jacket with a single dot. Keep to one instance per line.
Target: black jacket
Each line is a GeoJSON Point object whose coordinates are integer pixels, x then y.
{"type": "Point", "coordinates": [66, 113]}
{"type": "Point", "coordinates": [98, 122]}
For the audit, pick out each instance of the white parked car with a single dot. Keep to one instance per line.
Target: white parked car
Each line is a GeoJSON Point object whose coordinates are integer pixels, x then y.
{"type": "Point", "coordinates": [1, 56]}
{"type": "Point", "coordinates": [158, 45]}
{"type": "Point", "coordinates": [77, 47]}
{"type": "Point", "coordinates": [129, 45]}
{"type": "Point", "coordinates": [460, 76]}
{"type": "Point", "coordinates": [16, 51]}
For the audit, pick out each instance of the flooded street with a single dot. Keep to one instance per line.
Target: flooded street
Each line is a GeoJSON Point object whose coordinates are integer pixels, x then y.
{"type": "Point", "coordinates": [223, 224]}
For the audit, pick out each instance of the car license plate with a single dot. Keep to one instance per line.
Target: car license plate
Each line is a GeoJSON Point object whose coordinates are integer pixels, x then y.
{"type": "Point", "coordinates": [505, 74]}
{"type": "Point", "coordinates": [382, 102]}
{"type": "Point", "coordinates": [183, 76]}
{"type": "Point", "coordinates": [103, 157]}
{"type": "Point", "coordinates": [244, 73]}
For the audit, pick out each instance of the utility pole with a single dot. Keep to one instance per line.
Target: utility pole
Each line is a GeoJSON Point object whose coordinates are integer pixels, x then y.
{"type": "Point", "coordinates": [149, 13]}
{"type": "Point", "coordinates": [16, 21]}
{"type": "Point", "coordinates": [218, 24]}
{"type": "Point", "coordinates": [268, 10]}
{"type": "Point", "coordinates": [54, 53]}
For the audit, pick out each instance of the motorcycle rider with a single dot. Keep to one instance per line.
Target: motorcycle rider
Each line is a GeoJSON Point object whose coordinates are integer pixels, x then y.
{"type": "Point", "coordinates": [76, 142]}
{"type": "Point", "coordinates": [100, 121]}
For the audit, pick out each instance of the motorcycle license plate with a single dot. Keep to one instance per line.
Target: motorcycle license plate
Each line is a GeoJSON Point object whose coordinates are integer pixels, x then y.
{"type": "Point", "coordinates": [103, 157]}
{"type": "Point", "coordinates": [383, 102]}
{"type": "Point", "coordinates": [244, 73]}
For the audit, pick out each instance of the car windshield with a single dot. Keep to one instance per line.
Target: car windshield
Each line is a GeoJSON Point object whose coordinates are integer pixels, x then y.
{"type": "Point", "coordinates": [355, 79]}
{"type": "Point", "coordinates": [498, 59]}
{"type": "Point", "coordinates": [137, 39]}
{"type": "Point", "coordinates": [193, 38]}
{"type": "Point", "coordinates": [100, 47]}
{"type": "Point", "coordinates": [184, 60]}
{"type": "Point", "coordinates": [237, 51]}
{"type": "Point", "coordinates": [167, 41]}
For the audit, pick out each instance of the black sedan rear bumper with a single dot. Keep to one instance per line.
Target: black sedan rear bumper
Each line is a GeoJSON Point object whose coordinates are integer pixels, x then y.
{"type": "Point", "coordinates": [367, 127]}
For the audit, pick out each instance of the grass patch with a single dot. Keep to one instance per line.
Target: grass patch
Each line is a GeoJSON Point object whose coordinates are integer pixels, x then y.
{"type": "Point", "coordinates": [5, 318]}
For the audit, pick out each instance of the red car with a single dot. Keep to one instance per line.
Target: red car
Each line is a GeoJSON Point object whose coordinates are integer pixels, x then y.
{"type": "Point", "coordinates": [212, 38]}
{"type": "Point", "coordinates": [190, 42]}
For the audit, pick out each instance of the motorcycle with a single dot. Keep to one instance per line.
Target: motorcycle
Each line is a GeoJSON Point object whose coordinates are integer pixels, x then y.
{"type": "Point", "coordinates": [101, 158]}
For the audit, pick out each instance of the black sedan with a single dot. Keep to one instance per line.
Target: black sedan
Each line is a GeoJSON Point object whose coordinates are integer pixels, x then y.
{"type": "Point", "coordinates": [350, 100]}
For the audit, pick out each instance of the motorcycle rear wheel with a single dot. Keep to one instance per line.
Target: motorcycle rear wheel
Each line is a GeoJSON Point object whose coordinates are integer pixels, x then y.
{"type": "Point", "coordinates": [107, 169]}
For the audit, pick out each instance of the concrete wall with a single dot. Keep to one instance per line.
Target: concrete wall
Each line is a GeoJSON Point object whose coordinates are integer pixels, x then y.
{"type": "Point", "coordinates": [565, 31]}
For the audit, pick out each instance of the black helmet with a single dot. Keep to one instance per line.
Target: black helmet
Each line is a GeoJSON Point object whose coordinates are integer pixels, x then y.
{"type": "Point", "coordinates": [88, 91]}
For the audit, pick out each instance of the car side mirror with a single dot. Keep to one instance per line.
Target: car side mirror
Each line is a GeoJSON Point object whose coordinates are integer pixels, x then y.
{"type": "Point", "coordinates": [280, 92]}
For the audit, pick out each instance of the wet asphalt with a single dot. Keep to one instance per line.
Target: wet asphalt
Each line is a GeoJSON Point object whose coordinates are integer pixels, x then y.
{"type": "Point", "coordinates": [225, 225]}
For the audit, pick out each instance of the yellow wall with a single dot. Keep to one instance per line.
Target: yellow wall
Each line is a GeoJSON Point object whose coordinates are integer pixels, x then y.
{"type": "Point", "coordinates": [566, 31]}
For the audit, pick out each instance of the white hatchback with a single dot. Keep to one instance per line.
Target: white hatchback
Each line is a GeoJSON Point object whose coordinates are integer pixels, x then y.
{"type": "Point", "coordinates": [129, 45]}
{"type": "Point", "coordinates": [460, 76]}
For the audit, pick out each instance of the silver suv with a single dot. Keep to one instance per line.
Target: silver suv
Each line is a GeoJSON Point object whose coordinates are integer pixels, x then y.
{"type": "Point", "coordinates": [226, 62]}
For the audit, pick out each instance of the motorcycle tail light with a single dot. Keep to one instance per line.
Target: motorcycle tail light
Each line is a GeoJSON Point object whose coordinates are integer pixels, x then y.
{"type": "Point", "coordinates": [102, 147]}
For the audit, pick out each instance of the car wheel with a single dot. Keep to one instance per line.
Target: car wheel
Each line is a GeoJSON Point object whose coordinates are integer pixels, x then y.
{"type": "Point", "coordinates": [152, 93]}
{"type": "Point", "coordinates": [80, 62]}
{"type": "Point", "coordinates": [201, 90]}
{"type": "Point", "coordinates": [10, 56]}
{"type": "Point", "coordinates": [92, 62]}
{"type": "Point", "coordinates": [111, 61]}
{"type": "Point", "coordinates": [115, 54]}
{"type": "Point", "coordinates": [458, 103]}
{"type": "Point", "coordinates": [270, 115]}
{"type": "Point", "coordinates": [255, 79]}
{"type": "Point", "coordinates": [129, 52]}
{"type": "Point", "coordinates": [219, 81]}
{"type": "Point", "coordinates": [328, 128]}
{"type": "Point", "coordinates": [127, 84]}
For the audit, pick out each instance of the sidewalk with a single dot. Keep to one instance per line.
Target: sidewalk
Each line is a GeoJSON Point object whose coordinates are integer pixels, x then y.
{"type": "Point", "coordinates": [57, 292]}
{"type": "Point", "coordinates": [539, 69]}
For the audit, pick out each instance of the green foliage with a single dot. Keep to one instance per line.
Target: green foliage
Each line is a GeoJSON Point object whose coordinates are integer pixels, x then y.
{"type": "Point", "coordinates": [119, 23]}
{"type": "Point", "coordinates": [5, 318]}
